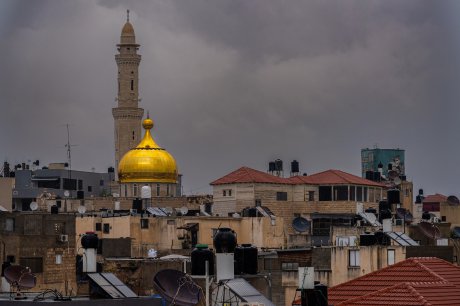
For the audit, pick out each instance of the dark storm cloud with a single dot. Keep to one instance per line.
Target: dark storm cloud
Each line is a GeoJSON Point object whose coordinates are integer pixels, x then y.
{"type": "Point", "coordinates": [233, 83]}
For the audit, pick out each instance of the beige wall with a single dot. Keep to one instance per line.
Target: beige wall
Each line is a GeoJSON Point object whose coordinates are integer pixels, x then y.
{"type": "Point", "coordinates": [163, 234]}
{"type": "Point", "coordinates": [6, 192]}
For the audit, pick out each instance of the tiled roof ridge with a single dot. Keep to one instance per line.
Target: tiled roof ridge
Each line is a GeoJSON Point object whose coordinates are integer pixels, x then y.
{"type": "Point", "coordinates": [415, 261]}
{"type": "Point", "coordinates": [419, 261]}
{"type": "Point", "coordinates": [406, 285]}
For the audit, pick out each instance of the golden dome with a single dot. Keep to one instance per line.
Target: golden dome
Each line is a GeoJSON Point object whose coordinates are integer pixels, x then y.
{"type": "Point", "coordinates": [147, 163]}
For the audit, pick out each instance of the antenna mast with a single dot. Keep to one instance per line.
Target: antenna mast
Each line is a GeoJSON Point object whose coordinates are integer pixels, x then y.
{"type": "Point", "coordinates": [69, 157]}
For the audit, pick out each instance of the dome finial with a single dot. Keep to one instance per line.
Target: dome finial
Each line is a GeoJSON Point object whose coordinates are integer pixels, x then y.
{"type": "Point", "coordinates": [148, 115]}
{"type": "Point", "coordinates": [127, 15]}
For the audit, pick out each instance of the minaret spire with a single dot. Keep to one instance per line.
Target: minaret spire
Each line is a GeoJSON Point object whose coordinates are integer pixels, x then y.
{"type": "Point", "coordinates": [127, 15]}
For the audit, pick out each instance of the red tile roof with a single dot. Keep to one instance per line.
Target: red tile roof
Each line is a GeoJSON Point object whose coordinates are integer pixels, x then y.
{"type": "Point", "coordinates": [333, 177]}
{"type": "Point", "coordinates": [435, 198]}
{"type": "Point", "coordinates": [248, 175]}
{"type": "Point", "coordinates": [424, 280]}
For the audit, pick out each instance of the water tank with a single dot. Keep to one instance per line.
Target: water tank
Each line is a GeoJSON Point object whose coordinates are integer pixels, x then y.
{"type": "Point", "coordinates": [110, 170]}
{"type": "Point", "coordinates": [370, 175]}
{"type": "Point", "coordinates": [420, 191]}
{"type": "Point", "coordinates": [383, 205]}
{"type": "Point", "coordinates": [246, 259]}
{"type": "Point", "coordinates": [199, 256]}
{"type": "Point", "coordinates": [54, 209]}
{"type": "Point", "coordinates": [225, 240]}
{"type": "Point", "coordinates": [377, 177]}
{"type": "Point", "coordinates": [393, 196]}
{"type": "Point", "coordinates": [426, 215]}
{"type": "Point", "coordinates": [294, 166]}
{"type": "Point", "coordinates": [278, 165]}
{"type": "Point", "coordinates": [271, 166]}
{"type": "Point", "coordinates": [367, 239]}
{"type": "Point", "coordinates": [89, 240]}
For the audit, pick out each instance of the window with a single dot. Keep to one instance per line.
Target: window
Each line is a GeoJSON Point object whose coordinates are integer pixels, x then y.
{"type": "Point", "coordinates": [359, 193]}
{"type": "Point", "coordinates": [340, 193]}
{"type": "Point", "coordinates": [9, 224]}
{"type": "Point", "coordinates": [311, 196]}
{"type": "Point", "coordinates": [132, 84]}
{"type": "Point", "coordinates": [135, 190]}
{"type": "Point", "coordinates": [167, 189]}
{"type": "Point", "coordinates": [51, 184]}
{"type": "Point", "coordinates": [144, 223]}
{"type": "Point", "coordinates": [69, 184]}
{"type": "Point", "coordinates": [80, 185]}
{"type": "Point", "coordinates": [98, 227]}
{"type": "Point", "coordinates": [224, 192]}
{"type": "Point", "coordinates": [365, 194]}
{"type": "Point", "coordinates": [281, 196]}
{"type": "Point", "coordinates": [106, 229]}
{"type": "Point", "coordinates": [90, 188]}
{"type": "Point", "coordinates": [133, 135]}
{"type": "Point", "coordinates": [59, 203]}
{"type": "Point", "coordinates": [353, 258]}
{"type": "Point", "coordinates": [158, 190]}
{"type": "Point", "coordinates": [352, 193]}
{"type": "Point", "coordinates": [101, 182]}
{"type": "Point", "coordinates": [290, 266]}
{"type": "Point", "coordinates": [34, 263]}
{"type": "Point", "coordinates": [227, 192]}
{"type": "Point", "coordinates": [391, 257]}
{"type": "Point", "coordinates": [325, 193]}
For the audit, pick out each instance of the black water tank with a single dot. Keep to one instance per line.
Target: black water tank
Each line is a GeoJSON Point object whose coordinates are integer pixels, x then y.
{"type": "Point", "coordinates": [370, 175]}
{"type": "Point", "coordinates": [5, 265]}
{"type": "Point", "coordinates": [321, 295]}
{"type": "Point", "coordinates": [271, 166]}
{"type": "Point", "coordinates": [199, 256]}
{"type": "Point", "coordinates": [54, 209]}
{"type": "Point", "coordinates": [383, 205]}
{"type": "Point", "coordinates": [250, 259]}
{"type": "Point", "coordinates": [382, 238]}
{"type": "Point", "coordinates": [89, 240]}
{"type": "Point", "coordinates": [225, 240]}
{"type": "Point", "coordinates": [384, 214]}
{"type": "Point", "coordinates": [367, 239]}
{"type": "Point", "coordinates": [426, 215]}
{"type": "Point", "coordinates": [137, 204]}
{"type": "Point", "coordinates": [376, 177]}
{"type": "Point", "coordinates": [393, 196]}
{"type": "Point", "coordinates": [420, 191]}
{"type": "Point", "coordinates": [278, 165]}
{"type": "Point", "coordinates": [294, 166]}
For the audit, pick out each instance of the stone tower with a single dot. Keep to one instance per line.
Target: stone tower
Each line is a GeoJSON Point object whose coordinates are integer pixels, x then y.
{"type": "Point", "coordinates": [127, 115]}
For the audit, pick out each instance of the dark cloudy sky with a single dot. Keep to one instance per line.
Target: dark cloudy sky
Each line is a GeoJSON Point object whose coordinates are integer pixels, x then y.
{"type": "Point", "coordinates": [239, 83]}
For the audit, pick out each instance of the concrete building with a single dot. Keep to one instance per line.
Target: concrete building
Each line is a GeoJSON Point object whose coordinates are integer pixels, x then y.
{"type": "Point", "coordinates": [326, 198]}
{"type": "Point", "coordinates": [58, 184]}
{"type": "Point", "coordinates": [6, 193]}
{"type": "Point", "coordinates": [385, 159]}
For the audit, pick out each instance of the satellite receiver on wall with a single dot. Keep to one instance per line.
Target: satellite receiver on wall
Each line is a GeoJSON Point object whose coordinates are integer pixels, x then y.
{"type": "Point", "coordinates": [33, 206]}
{"type": "Point", "coordinates": [81, 209]}
{"type": "Point", "coordinates": [19, 278]}
{"type": "Point", "coordinates": [183, 210]}
{"type": "Point", "coordinates": [177, 288]}
{"type": "Point", "coordinates": [301, 224]}
{"type": "Point", "coordinates": [453, 200]}
{"type": "Point", "coordinates": [66, 193]}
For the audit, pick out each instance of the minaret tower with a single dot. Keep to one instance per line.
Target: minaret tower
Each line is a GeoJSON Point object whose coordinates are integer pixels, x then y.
{"type": "Point", "coordinates": [127, 115]}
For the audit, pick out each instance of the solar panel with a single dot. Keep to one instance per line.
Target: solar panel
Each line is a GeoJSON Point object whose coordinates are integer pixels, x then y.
{"type": "Point", "coordinates": [246, 292]}
{"type": "Point", "coordinates": [112, 285]}
{"type": "Point", "coordinates": [402, 239]}
{"type": "Point", "coordinates": [156, 211]}
{"type": "Point", "coordinates": [370, 218]}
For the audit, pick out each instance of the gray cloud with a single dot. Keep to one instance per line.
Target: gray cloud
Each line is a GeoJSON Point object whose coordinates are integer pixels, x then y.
{"type": "Point", "coordinates": [232, 83]}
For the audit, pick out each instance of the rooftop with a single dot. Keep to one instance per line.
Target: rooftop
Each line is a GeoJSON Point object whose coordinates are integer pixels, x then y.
{"type": "Point", "coordinates": [414, 281]}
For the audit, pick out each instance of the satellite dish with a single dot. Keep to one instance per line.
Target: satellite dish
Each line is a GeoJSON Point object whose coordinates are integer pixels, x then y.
{"type": "Point", "coordinates": [81, 209]}
{"type": "Point", "coordinates": [430, 230]}
{"type": "Point", "coordinates": [33, 206]}
{"type": "Point", "coordinates": [20, 277]}
{"type": "Point", "coordinates": [183, 210]}
{"type": "Point", "coordinates": [177, 287]}
{"type": "Point", "coordinates": [66, 193]}
{"type": "Point", "coordinates": [301, 224]}
{"type": "Point", "coordinates": [453, 200]}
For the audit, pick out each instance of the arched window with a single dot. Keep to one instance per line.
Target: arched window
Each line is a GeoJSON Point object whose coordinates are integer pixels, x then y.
{"type": "Point", "coordinates": [132, 84]}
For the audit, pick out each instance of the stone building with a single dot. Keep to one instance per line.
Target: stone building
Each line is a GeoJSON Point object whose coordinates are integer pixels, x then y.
{"type": "Point", "coordinates": [46, 243]}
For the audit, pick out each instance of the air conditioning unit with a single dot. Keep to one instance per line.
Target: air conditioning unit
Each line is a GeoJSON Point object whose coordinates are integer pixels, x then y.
{"type": "Point", "coordinates": [63, 238]}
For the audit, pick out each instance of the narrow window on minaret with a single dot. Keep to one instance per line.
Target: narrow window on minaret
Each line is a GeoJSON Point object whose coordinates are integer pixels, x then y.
{"type": "Point", "coordinates": [132, 84]}
{"type": "Point", "coordinates": [133, 135]}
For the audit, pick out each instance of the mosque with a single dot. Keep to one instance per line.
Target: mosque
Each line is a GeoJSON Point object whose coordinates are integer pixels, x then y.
{"type": "Point", "coordinates": [139, 162]}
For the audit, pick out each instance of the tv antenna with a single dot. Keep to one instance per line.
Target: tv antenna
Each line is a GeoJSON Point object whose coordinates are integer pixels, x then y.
{"type": "Point", "coordinates": [69, 151]}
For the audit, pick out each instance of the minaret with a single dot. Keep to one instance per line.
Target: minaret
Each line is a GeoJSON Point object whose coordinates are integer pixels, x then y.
{"type": "Point", "coordinates": [127, 115]}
